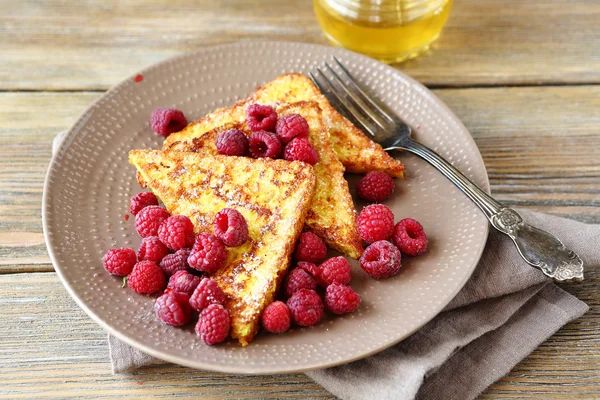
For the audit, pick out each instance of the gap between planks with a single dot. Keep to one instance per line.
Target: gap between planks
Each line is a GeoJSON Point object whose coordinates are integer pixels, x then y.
{"type": "Point", "coordinates": [433, 86]}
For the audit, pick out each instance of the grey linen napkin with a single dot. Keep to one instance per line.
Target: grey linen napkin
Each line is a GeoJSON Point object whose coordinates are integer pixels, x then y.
{"type": "Point", "coordinates": [501, 315]}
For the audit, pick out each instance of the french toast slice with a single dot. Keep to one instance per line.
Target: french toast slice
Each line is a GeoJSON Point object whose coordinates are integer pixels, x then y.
{"type": "Point", "coordinates": [332, 215]}
{"type": "Point", "coordinates": [273, 196]}
{"type": "Point", "coordinates": [357, 152]}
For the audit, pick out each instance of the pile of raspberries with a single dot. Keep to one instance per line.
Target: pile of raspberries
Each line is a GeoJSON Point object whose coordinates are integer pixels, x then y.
{"type": "Point", "coordinates": [286, 137]}
{"type": "Point", "coordinates": [172, 260]}
{"type": "Point", "coordinates": [175, 262]}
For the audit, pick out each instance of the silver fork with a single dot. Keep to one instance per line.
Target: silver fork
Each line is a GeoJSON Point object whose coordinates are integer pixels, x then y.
{"type": "Point", "coordinates": [539, 248]}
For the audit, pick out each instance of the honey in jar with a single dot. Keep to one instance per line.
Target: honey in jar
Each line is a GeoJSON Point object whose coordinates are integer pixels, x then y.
{"type": "Point", "coordinates": [389, 30]}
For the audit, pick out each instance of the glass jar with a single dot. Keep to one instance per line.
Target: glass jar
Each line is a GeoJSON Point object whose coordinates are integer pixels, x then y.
{"type": "Point", "coordinates": [389, 30]}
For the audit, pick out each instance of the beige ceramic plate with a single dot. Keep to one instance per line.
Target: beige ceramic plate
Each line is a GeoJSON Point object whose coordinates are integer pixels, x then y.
{"type": "Point", "coordinates": [90, 182]}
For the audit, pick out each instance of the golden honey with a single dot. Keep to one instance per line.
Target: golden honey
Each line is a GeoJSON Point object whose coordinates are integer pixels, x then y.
{"type": "Point", "coordinates": [389, 30]}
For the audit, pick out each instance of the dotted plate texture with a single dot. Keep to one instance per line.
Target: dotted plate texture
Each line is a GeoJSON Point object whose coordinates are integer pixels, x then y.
{"type": "Point", "coordinates": [90, 182]}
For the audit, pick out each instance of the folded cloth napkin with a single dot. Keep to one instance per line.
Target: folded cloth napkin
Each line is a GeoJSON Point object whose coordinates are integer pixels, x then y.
{"type": "Point", "coordinates": [503, 313]}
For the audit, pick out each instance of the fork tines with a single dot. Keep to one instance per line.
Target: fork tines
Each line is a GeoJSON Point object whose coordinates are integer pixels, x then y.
{"type": "Point", "coordinates": [347, 96]}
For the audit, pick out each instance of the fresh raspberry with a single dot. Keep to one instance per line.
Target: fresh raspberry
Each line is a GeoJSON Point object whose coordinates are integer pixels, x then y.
{"type": "Point", "coordinates": [291, 126]}
{"type": "Point", "coordinates": [152, 249]}
{"type": "Point", "coordinates": [298, 279]}
{"type": "Point", "coordinates": [232, 142]}
{"type": "Point", "coordinates": [309, 267]}
{"type": "Point", "coordinates": [410, 237]}
{"type": "Point", "coordinates": [177, 232]}
{"type": "Point", "coordinates": [265, 144]}
{"type": "Point", "coordinates": [165, 121]}
{"type": "Point", "coordinates": [230, 226]}
{"type": "Point", "coordinates": [146, 278]}
{"type": "Point", "coordinates": [276, 317]}
{"type": "Point", "coordinates": [375, 222]}
{"type": "Point", "coordinates": [300, 149]}
{"type": "Point", "coordinates": [173, 308]}
{"type": "Point", "coordinates": [336, 269]}
{"type": "Point", "coordinates": [148, 219]}
{"type": "Point", "coordinates": [141, 200]}
{"type": "Point", "coordinates": [119, 262]}
{"type": "Point", "coordinates": [183, 282]}
{"type": "Point", "coordinates": [305, 307]}
{"type": "Point", "coordinates": [341, 299]}
{"type": "Point", "coordinates": [375, 186]}
{"type": "Point", "coordinates": [214, 324]}
{"type": "Point", "coordinates": [311, 248]}
{"type": "Point", "coordinates": [207, 293]}
{"type": "Point", "coordinates": [261, 118]}
{"type": "Point", "coordinates": [381, 259]}
{"type": "Point", "coordinates": [208, 254]}
{"type": "Point", "coordinates": [175, 262]}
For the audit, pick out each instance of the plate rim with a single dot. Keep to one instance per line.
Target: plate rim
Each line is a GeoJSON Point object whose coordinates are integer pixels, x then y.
{"type": "Point", "coordinates": [73, 131]}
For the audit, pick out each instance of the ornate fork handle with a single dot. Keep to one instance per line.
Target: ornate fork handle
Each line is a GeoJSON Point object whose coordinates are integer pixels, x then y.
{"type": "Point", "coordinates": [539, 248]}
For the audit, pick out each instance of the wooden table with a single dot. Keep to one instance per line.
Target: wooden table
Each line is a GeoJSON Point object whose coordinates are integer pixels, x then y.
{"type": "Point", "coordinates": [522, 75]}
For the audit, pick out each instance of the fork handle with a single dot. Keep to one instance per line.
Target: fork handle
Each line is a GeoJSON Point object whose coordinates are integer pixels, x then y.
{"type": "Point", "coordinates": [484, 201]}
{"type": "Point", "coordinates": [538, 248]}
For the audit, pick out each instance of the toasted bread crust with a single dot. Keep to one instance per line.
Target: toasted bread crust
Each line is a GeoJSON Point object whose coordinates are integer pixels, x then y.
{"type": "Point", "coordinates": [273, 196]}
{"type": "Point", "coordinates": [357, 152]}
{"type": "Point", "coordinates": [331, 215]}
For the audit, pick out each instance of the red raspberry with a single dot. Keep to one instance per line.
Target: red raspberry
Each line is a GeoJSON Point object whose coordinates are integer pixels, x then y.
{"type": "Point", "coordinates": [165, 121]}
{"type": "Point", "coordinates": [119, 262]}
{"type": "Point", "coordinates": [230, 226]}
{"type": "Point", "coordinates": [177, 232]}
{"type": "Point", "coordinates": [375, 186]}
{"type": "Point", "coordinates": [183, 282]}
{"type": "Point", "coordinates": [175, 262]}
{"type": "Point", "coordinates": [265, 144]}
{"type": "Point", "coordinates": [152, 249]}
{"type": "Point", "coordinates": [208, 254]}
{"type": "Point", "coordinates": [276, 317]}
{"type": "Point", "coordinates": [410, 237]}
{"type": "Point", "coordinates": [214, 324]}
{"type": "Point", "coordinates": [375, 222]}
{"type": "Point", "coordinates": [299, 149]}
{"type": "Point", "coordinates": [148, 219]}
{"type": "Point", "coordinates": [298, 279]}
{"type": "Point", "coordinates": [146, 278]}
{"type": "Point", "coordinates": [305, 307]}
{"type": "Point", "coordinates": [291, 126]}
{"type": "Point", "coordinates": [232, 142]}
{"type": "Point", "coordinates": [309, 267]}
{"type": "Point", "coordinates": [173, 308]}
{"type": "Point", "coordinates": [341, 299]}
{"type": "Point", "coordinates": [336, 269]}
{"type": "Point", "coordinates": [261, 118]}
{"type": "Point", "coordinates": [141, 200]}
{"type": "Point", "coordinates": [207, 293]}
{"type": "Point", "coordinates": [310, 248]}
{"type": "Point", "coordinates": [381, 260]}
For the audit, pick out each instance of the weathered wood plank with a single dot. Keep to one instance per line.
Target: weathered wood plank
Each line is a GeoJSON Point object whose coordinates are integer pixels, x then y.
{"type": "Point", "coordinates": [28, 123]}
{"type": "Point", "coordinates": [535, 158]}
{"type": "Point", "coordinates": [90, 45]}
{"type": "Point", "coordinates": [66, 355]}
{"type": "Point", "coordinates": [539, 145]}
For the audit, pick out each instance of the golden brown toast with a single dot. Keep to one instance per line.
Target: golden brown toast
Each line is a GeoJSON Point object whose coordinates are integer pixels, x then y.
{"type": "Point", "coordinates": [331, 215]}
{"type": "Point", "coordinates": [274, 197]}
{"type": "Point", "coordinates": [358, 153]}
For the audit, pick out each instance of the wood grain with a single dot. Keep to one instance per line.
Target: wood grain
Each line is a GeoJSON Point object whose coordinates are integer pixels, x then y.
{"type": "Point", "coordinates": [56, 351]}
{"type": "Point", "coordinates": [57, 45]}
{"type": "Point", "coordinates": [28, 123]}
